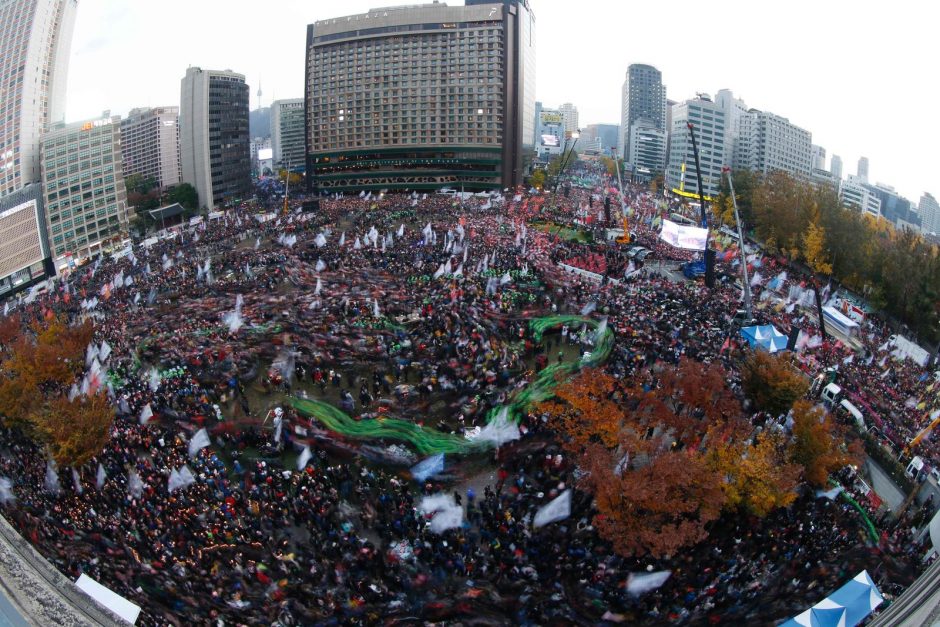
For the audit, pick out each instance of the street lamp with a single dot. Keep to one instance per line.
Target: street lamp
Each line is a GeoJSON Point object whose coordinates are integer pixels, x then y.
{"type": "Point", "coordinates": [565, 158]}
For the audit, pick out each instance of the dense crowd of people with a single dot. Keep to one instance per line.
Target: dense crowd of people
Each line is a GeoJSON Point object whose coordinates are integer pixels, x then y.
{"type": "Point", "coordinates": [413, 306]}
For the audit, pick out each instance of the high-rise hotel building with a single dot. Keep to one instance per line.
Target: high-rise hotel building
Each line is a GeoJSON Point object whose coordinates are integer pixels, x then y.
{"type": "Point", "coordinates": [421, 97]}
{"type": "Point", "coordinates": [85, 197]}
{"type": "Point", "coordinates": [35, 40]}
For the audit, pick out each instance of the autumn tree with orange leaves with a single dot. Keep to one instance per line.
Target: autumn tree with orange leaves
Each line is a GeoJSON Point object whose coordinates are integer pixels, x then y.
{"type": "Point", "coordinates": [818, 444]}
{"type": "Point", "coordinates": [38, 365]}
{"type": "Point", "coordinates": [756, 474]}
{"type": "Point", "coordinates": [772, 382]}
{"type": "Point", "coordinates": [658, 456]}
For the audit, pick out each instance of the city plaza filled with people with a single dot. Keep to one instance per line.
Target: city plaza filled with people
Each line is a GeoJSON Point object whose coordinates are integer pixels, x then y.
{"type": "Point", "coordinates": [414, 306]}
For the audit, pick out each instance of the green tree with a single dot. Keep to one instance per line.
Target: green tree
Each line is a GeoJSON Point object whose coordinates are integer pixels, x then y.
{"type": "Point", "coordinates": [537, 179]}
{"type": "Point", "coordinates": [185, 194]}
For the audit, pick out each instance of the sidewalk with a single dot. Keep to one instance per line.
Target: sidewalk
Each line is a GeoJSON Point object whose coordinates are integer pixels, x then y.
{"type": "Point", "coordinates": [33, 592]}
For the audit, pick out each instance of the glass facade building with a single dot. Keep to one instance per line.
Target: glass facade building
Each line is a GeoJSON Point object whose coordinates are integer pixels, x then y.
{"type": "Point", "coordinates": [35, 39]}
{"type": "Point", "coordinates": [215, 154]}
{"type": "Point", "coordinates": [421, 97]}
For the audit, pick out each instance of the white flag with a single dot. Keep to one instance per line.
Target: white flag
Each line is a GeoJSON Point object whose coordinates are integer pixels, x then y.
{"type": "Point", "coordinates": [52, 478]}
{"type": "Point", "coordinates": [146, 414]}
{"type": "Point", "coordinates": [199, 442]}
{"type": "Point", "coordinates": [557, 509]}
{"type": "Point", "coordinates": [100, 477]}
{"type": "Point", "coordinates": [135, 487]}
{"type": "Point", "coordinates": [639, 583]}
{"type": "Point", "coordinates": [6, 491]}
{"type": "Point", "coordinates": [304, 457]}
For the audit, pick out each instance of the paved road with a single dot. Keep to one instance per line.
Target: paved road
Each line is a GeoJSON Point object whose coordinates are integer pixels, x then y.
{"type": "Point", "coordinates": [883, 486]}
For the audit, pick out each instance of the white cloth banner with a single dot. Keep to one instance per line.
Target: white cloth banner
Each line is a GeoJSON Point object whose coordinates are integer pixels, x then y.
{"type": "Point", "coordinates": [688, 237]}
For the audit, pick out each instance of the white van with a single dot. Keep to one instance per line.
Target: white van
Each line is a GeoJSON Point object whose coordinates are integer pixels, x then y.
{"type": "Point", "coordinates": [915, 467]}
{"type": "Point", "coordinates": [831, 394]}
{"type": "Point", "coordinates": [855, 412]}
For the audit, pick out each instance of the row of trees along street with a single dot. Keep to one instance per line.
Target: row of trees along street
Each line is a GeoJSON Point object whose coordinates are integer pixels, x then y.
{"type": "Point", "coordinates": [897, 271]}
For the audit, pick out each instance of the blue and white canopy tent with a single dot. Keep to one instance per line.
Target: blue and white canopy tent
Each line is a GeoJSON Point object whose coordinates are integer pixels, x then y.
{"type": "Point", "coordinates": [846, 607]}
{"type": "Point", "coordinates": [765, 336]}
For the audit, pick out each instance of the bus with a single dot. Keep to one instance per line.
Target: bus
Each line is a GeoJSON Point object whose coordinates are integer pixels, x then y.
{"type": "Point", "coordinates": [837, 321]}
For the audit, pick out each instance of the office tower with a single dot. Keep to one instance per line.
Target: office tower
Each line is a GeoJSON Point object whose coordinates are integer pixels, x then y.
{"type": "Point", "coordinates": [929, 210]}
{"type": "Point", "coordinates": [708, 119]}
{"type": "Point", "coordinates": [736, 126]}
{"type": "Point", "coordinates": [818, 157]}
{"type": "Point", "coordinates": [835, 166]}
{"type": "Point", "coordinates": [214, 141]}
{"type": "Point", "coordinates": [85, 199]}
{"type": "Point", "coordinates": [151, 144]}
{"type": "Point", "coordinates": [35, 38]}
{"type": "Point", "coordinates": [769, 142]}
{"type": "Point", "coordinates": [287, 133]}
{"type": "Point", "coordinates": [643, 96]}
{"type": "Point", "coordinates": [569, 114]}
{"type": "Point", "coordinates": [420, 97]}
{"type": "Point", "coordinates": [863, 169]}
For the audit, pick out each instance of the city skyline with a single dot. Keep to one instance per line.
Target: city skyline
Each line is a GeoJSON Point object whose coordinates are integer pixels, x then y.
{"type": "Point", "coordinates": [762, 66]}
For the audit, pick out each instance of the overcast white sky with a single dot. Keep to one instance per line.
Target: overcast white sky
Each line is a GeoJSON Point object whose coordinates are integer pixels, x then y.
{"type": "Point", "coordinates": [859, 75]}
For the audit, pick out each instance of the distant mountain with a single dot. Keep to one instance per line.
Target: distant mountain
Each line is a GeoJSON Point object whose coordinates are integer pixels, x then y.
{"type": "Point", "coordinates": [259, 122]}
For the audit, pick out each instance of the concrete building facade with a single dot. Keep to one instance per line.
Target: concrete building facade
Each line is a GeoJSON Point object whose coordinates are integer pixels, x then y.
{"type": "Point", "coordinates": [287, 133]}
{"type": "Point", "coordinates": [421, 97]}
{"type": "Point", "coordinates": [214, 140]}
{"type": "Point", "coordinates": [855, 194]}
{"type": "Point", "coordinates": [550, 134]}
{"type": "Point", "coordinates": [85, 198]}
{"type": "Point", "coordinates": [835, 167]}
{"type": "Point", "coordinates": [643, 95]}
{"type": "Point", "coordinates": [647, 150]}
{"type": "Point", "coordinates": [770, 143]}
{"type": "Point", "coordinates": [818, 157]}
{"type": "Point", "coordinates": [929, 210]}
{"type": "Point", "coordinates": [862, 170]}
{"type": "Point", "coordinates": [708, 119]}
{"type": "Point", "coordinates": [150, 143]}
{"type": "Point", "coordinates": [25, 257]}
{"type": "Point", "coordinates": [569, 114]}
{"type": "Point", "coordinates": [35, 41]}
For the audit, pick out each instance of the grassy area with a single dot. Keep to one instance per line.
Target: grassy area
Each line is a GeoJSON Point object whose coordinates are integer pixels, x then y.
{"type": "Point", "coordinates": [563, 232]}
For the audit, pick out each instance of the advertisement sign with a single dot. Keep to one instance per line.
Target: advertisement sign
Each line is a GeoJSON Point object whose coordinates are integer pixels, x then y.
{"type": "Point", "coordinates": [687, 237]}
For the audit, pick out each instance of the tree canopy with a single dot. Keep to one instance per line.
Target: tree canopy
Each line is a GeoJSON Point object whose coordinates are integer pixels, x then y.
{"type": "Point", "coordinates": [896, 269]}
{"type": "Point", "coordinates": [38, 365]}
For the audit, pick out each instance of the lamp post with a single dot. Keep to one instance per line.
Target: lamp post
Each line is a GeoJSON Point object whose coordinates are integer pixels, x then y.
{"type": "Point", "coordinates": [566, 158]}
